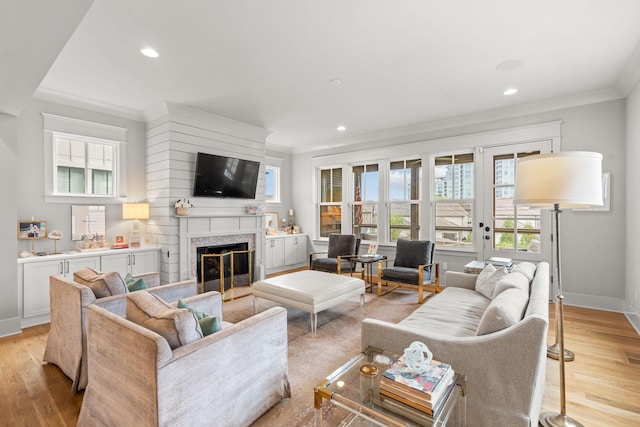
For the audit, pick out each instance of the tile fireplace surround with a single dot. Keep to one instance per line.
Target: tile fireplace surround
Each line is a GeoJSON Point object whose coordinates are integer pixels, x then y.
{"type": "Point", "coordinates": [196, 231]}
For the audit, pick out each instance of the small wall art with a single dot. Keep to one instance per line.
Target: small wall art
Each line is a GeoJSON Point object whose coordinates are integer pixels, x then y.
{"type": "Point", "coordinates": [33, 229]}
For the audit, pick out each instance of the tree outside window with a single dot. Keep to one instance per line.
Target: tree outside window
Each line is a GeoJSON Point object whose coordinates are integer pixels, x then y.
{"type": "Point", "coordinates": [404, 199]}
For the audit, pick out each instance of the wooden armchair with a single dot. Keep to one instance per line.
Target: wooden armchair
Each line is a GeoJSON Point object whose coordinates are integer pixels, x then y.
{"type": "Point", "coordinates": [412, 268]}
{"type": "Point", "coordinates": [342, 247]}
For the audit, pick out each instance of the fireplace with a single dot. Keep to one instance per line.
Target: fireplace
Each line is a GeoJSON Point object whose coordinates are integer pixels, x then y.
{"type": "Point", "coordinates": [233, 263]}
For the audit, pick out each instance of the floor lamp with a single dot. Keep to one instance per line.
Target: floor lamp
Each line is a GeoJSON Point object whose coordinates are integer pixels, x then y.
{"type": "Point", "coordinates": [566, 180]}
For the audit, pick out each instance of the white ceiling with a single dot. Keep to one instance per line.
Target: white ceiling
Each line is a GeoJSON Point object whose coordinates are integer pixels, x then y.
{"type": "Point", "coordinates": [401, 63]}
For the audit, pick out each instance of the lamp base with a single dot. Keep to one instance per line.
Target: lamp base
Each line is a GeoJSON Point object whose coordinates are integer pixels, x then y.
{"type": "Point", "coordinates": [551, 419]}
{"type": "Point", "coordinates": [553, 352]}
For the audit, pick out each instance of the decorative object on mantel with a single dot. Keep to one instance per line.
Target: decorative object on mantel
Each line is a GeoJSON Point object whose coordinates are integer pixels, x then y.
{"type": "Point", "coordinates": [55, 235]}
{"type": "Point", "coordinates": [418, 357]}
{"type": "Point", "coordinates": [120, 242]}
{"type": "Point", "coordinates": [182, 207]}
{"type": "Point", "coordinates": [255, 209]}
{"type": "Point", "coordinates": [92, 243]}
{"type": "Point", "coordinates": [290, 227]}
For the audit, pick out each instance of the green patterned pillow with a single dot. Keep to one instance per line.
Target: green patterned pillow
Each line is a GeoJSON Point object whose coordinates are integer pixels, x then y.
{"type": "Point", "coordinates": [134, 284]}
{"type": "Point", "coordinates": [208, 323]}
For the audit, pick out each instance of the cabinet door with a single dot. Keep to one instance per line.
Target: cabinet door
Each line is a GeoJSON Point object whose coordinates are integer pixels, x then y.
{"type": "Point", "coordinates": [116, 262]}
{"type": "Point", "coordinates": [145, 262]}
{"type": "Point", "coordinates": [74, 264]}
{"type": "Point", "coordinates": [35, 296]}
{"type": "Point", "coordinates": [275, 253]}
{"type": "Point", "coordinates": [295, 250]}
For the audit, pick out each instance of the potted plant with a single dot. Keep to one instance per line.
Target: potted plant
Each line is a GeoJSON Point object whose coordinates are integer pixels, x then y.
{"type": "Point", "coordinates": [182, 207]}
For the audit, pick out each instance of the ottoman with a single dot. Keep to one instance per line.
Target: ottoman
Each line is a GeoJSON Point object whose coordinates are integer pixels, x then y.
{"type": "Point", "coordinates": [308, 290]}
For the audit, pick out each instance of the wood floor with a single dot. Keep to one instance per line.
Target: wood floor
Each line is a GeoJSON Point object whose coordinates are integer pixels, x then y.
{"type": "Point", "coordinates": [603, 383]}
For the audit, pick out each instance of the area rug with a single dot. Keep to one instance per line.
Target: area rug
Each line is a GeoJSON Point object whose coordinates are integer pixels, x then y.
{"type": "Point", "coordinates": [311, 359]}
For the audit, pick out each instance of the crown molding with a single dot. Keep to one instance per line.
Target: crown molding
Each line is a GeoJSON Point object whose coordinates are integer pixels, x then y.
{"type": "Point", "coordinates": [49, 95]}
{"type": "Point", "coordinates": [408, 133]}
{"type": "Point", "coordinates": [631, 73]}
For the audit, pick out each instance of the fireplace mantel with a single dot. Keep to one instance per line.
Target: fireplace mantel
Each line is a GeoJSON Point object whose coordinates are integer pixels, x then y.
{"type": "Point", "coordinates": [228, 227]}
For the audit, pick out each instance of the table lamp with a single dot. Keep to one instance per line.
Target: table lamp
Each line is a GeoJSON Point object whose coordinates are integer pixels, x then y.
{"type": "Point", "coordinates": [135, 212]}
{"type": "Point", "coordinates": [565, 180]}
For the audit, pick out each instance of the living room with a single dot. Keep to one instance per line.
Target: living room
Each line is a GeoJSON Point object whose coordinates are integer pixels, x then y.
{"type": "Point", "coordinates": [599, 255]}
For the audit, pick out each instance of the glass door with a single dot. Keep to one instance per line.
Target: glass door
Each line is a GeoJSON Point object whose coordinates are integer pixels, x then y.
{"type": "Point", "coordinates": [521, 233]}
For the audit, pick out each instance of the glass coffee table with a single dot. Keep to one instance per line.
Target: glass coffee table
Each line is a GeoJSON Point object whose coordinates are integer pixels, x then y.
{"type": "Point", "coordinates": [355, 387]}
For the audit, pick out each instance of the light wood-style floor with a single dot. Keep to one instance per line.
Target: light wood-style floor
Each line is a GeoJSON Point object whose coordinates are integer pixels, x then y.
{"type": "Point", "coordinates": [603, 383]}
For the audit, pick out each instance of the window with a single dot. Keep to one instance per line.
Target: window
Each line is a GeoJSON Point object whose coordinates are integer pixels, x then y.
{"type": "Point", "coordinates": [404, 199]}
{"type": "Point", "coordinates": [330, 201]}
{"type": "Point", "coordinates": [364, 212]}
{"type": "Point", "coordinates": [272, 184]}
{"type": "Point", "coordinates": [516, 228]}
{"type": "Point", "coordinates": [453, 193]}
{"type": "Point", "coordinates": [83, 166]}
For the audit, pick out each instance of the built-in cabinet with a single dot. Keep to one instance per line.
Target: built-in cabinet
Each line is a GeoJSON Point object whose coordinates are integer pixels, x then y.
{"type": "Point", "coordinates": [285, 251]}
{"type": "Point", "coordinates": [34, 272]}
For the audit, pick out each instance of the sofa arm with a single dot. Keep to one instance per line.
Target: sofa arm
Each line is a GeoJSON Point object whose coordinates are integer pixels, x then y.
{"type": "Point", "coordinates": [151, 279]}
{"type": "Point", "coordinates": [209, 302]}
{"type": "Point", "coordinates": [175, 291]}
{"type": "Point", "coordinates": [460, 280]}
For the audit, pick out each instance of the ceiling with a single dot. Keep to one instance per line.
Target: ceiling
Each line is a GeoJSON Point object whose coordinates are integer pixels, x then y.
{"type": "Point", "coordinates": [400, 63]}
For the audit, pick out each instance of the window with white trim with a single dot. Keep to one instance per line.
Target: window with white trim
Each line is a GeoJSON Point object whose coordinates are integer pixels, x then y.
{"type": "Point", "coordinates": [404, 198]}
{"type": "Point", "coordinates": [84, 166]}
{"type": "Point", "coordinates": [330, 201]}
{"type": "Point", "coordinates": [364, 212]}
{"type": "Point", "coordinates": [272, 184]}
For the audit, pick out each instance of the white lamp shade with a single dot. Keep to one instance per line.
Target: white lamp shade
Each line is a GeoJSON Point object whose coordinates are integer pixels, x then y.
{"type": "Point", "coordinates": [570, 179]}
{"type": "Point", "coordinates": [135, 211]}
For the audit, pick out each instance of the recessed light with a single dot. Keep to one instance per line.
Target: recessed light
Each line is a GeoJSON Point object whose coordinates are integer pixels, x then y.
{"type": "Point", "coordinates": [341, 128]}
{"type": "Point", "coordinates": [509, 65]}
{"type": "Point", "coordinates": [335, 82]}
{"type": "Point", "coordinates": [149, 52]}
{"type": "Point", "coordinates": [510, 91]}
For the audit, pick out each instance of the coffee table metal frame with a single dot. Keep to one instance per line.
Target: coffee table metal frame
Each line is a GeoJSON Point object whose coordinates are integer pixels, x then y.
{"type": "Point", "coordinates": [358, 393]}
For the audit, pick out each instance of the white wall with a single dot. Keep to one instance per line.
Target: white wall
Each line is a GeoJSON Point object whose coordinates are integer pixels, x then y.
{"type": "Point", "coordinates": [593, 243]}
{"type": "Point", "coordinates": [632, 266]}
{"type": "Point", "coordinates": [286, 172]}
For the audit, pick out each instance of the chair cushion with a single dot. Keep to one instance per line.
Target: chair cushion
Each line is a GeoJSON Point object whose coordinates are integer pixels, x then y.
{"type": "Point", "coordinates": [341, 244]}
{"type": "Point", "coordinates": [488, 279]}
{"type": "Point", "coordinates": [329, 265]}
{"type": "Point", "coordinates": [405, 275]}
{"type": "Point", "coordinates": [506, 309]}
{"type": "Point", "coordinates": [412, 253]}
{"type": "Point", "coordinates": [179, 326]}
{"type": "Point", "coordinates": [102, 284]}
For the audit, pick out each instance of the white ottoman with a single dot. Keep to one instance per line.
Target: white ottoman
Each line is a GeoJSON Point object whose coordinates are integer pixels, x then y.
{"type": "Point", "coordinates": [309, 290]}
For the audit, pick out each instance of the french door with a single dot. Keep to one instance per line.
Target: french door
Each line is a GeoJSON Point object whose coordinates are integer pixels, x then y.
{"type": "Point", "coordinates": [521, 233]}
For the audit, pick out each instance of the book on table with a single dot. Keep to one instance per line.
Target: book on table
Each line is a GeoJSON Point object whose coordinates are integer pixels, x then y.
{"type": "Point", "coordinates": [430, 408]}
{"type": "Point", "coordinates": [421, 391]}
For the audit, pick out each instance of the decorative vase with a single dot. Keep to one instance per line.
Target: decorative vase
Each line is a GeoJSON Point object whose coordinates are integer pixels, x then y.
{"type": "Point", "coordinates": [182, 211]}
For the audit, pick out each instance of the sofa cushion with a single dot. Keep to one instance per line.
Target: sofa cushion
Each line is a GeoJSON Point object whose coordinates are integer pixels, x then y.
{"type": "Point", "coordinates": [512, 280]}
{"type": "Point", "coordinates": [178, 326]}
{"type": "Point", "coordinates": [454, 312]}
{"type": "Point", "coordinates": [405, 275]}
{"type": "Point", "coordinates": [102, 284]}
{"type": "Point", "coordinates": [526, 268]}
{"type": "Point", "coordinates": [506, 309]}
{"type": "Point", "coordinates": [208, 323]}
{"type": "Point", "coordinates": [488, 279]}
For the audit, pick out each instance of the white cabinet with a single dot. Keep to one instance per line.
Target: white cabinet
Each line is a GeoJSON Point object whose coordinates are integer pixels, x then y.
{"type": "Point", "coordinates": [295, 250]}
{"type": "Point", "coordinates": [35, 280]}
{"type": "Point", "coordinates": [284, 252]}
{"type": "Point", "coordinates": [34, 272]}
{"type": "Point", "coordinates": [134, 262]}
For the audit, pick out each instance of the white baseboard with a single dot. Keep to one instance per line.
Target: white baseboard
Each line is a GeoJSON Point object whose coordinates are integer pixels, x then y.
{"type": "Point", "coordinates": [594, 301]}
{"type": "Point", "coordinates": [633, 316]}
{"type": "Point", "coordinates": [10, 327]}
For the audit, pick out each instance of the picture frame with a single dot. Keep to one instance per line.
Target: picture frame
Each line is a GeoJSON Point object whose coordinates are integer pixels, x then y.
{"type": "Point", "coordinates": [271, 220]}
{"type": "Point", "coordinates": [148, 240]}
{"type": "Point", "coordinates": [135, 242]}
{"type": "Point", "coordinates": [32, 230]}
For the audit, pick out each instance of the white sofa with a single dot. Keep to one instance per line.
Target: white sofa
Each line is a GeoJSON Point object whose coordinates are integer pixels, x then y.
{"type": "Point", "coordinates": [228, 378]}
{"type": "Point", "coordinates": [505, 369]}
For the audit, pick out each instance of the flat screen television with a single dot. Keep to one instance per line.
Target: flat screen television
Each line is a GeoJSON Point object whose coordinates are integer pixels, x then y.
{"type": "Point", "coordinates": [220, 176]}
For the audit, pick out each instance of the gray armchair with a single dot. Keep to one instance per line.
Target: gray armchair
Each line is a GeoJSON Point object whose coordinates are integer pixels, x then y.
{"type": "Point", "coordinates": [342, 247]}
{"type": "Point", "coordinates": [412, 268]}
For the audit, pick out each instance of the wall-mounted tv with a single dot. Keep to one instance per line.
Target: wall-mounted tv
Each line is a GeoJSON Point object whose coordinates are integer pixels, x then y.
{"type": "Point", "coordinates": [220, 176]}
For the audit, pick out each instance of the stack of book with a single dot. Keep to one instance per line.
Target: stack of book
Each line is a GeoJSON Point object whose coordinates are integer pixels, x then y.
{"type": "Point", "coordinates": [501, 262]}
{"type": "Point", "coordinates": [426, 392]}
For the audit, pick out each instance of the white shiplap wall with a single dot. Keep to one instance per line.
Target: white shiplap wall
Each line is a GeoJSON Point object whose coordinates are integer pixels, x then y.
{"type": "Point", "coordinates": [174, 135]}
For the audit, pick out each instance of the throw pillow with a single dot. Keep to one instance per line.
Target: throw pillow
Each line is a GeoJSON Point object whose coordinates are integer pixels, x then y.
{"type": "Point", "coordinates": [102, 284]}
{"type": "Point", "coordinates": [208, 323]}
{"type": "Point", "coordinates": [488, 278]}
{"type": "Point", "coordinates": [134, 284]}
{"type": "Point", "coordinates": [504, 310]}
{"type": "Point", "coordinates": [178, 326]}
{"type": "Point", "coordinates": [512, 280]}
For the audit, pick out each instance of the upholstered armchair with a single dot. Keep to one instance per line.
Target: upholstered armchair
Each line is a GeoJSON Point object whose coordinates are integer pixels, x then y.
{"type": "Point", "coordinates": [412, 268]}
{"type": "Point", "coordinates": [339, 252]}
{"type": "Point", "coordinates": [67, 341]}
{"type": "Point", "coordinates": [228, 378]}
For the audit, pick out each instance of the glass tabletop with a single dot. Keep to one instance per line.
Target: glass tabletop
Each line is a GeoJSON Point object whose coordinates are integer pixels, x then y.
{"type": "Point", "coordinates": [355, 387]}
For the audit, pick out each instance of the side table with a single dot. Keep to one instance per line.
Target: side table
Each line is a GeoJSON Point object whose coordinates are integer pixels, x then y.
{"type": "Point", "coordinates": [367, 262]}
